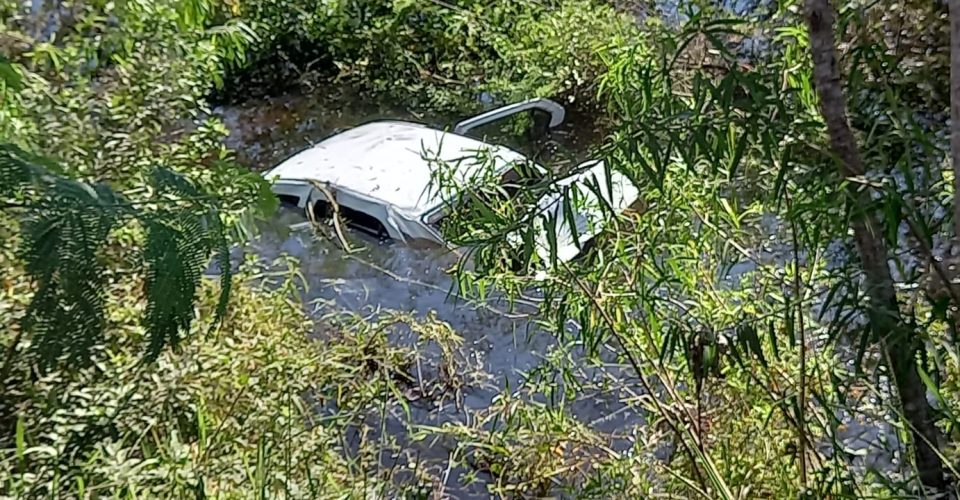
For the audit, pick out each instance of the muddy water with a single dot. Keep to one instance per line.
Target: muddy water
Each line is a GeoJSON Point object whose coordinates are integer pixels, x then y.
{"type": "Point", "coordinates": [501, 341]}
{"type": "Point", "coordinates": [393, 276]}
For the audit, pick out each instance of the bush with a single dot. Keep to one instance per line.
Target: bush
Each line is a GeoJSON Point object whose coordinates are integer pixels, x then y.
{"type": "Point", "coordinates": [255, 408]}
{"type": "Point", "coordinates": [121, 88]}
{"type": "Point", "coordinates": [440, 55]}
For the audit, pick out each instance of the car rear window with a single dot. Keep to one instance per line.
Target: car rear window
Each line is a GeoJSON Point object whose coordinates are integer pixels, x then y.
{"type": "Point", "coordinates": [354, 219]}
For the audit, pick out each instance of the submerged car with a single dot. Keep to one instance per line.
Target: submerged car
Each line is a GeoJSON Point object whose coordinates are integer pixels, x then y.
{"type": "Point", "coordinates": [382, 177]}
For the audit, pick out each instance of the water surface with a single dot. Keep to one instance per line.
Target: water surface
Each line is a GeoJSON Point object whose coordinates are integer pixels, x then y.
{"type": "Point", "coordinates": [502, 341]}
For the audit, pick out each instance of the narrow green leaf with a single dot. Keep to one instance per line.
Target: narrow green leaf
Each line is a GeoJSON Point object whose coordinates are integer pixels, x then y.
{"type": "Point", "coordinates": [20, 439]}
{"type": "Point", "coordinates": [771, 331]}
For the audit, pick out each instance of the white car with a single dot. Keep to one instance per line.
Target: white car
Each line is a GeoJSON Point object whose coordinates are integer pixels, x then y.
{"type": "Point", "coordinates": [382, 176]}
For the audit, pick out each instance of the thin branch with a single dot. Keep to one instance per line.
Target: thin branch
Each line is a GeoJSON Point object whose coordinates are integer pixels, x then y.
{"type": "Point", "coordinates": [667, 383]}
{"type": "Point", "coordinates": [331, 199]}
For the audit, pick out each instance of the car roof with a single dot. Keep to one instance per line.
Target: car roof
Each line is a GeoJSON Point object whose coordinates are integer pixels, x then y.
{"type": "Point", "coordinates": [390, 161]}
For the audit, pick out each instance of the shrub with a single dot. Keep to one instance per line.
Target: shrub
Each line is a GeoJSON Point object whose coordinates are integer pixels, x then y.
{"type": "Point", "coordinates": [441, 55]}
{"type": "Point", "coordinates": [254, 408]}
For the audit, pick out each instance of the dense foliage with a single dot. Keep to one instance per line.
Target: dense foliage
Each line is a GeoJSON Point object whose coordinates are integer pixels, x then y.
{"type": "Point", "coordinates": [437, 54]}
{"type": "Point", "coordinates": [729, 307]}
{"type": "Point", "coordinates": [752, 248]}
{"type": "Point", "coordinates": [244, 411]}
{"type": "Point", "coordinates": [65, 225]}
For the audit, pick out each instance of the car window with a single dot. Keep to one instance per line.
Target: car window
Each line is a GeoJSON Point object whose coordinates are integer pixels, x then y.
{"type": "Point", "coordinates": [289, 200]}
{"type": "Point", "coordinates": [354, 219]}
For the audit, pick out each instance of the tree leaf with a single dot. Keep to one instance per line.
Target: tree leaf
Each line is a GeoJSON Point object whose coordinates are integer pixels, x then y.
{"type": "Point", "coordinates": [9, 74]}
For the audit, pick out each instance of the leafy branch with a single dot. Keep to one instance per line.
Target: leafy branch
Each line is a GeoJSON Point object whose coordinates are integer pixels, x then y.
{"type": "Point", "coordinates": [65, 228]}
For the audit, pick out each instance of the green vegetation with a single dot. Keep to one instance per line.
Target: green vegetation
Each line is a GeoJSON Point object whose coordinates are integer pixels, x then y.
{"type": "Point", "coordinates": [244, 410]}
{"type": "Point", "coordinates": [439, 55]}
{"type": "Point", "coordinates": [785, 283]}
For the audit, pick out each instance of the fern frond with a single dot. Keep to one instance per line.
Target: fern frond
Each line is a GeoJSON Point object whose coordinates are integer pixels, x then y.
{"type": "Point", "coordinates": [62, 240]}
{"type": "Point", "coordinates": [174, 263]}
{"type": "Point", "coordinates": [18, 171]}
{"type": "Point", "coordinates": [179, 243]}
{"type": "Point", "coordinates": [65, 225]}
